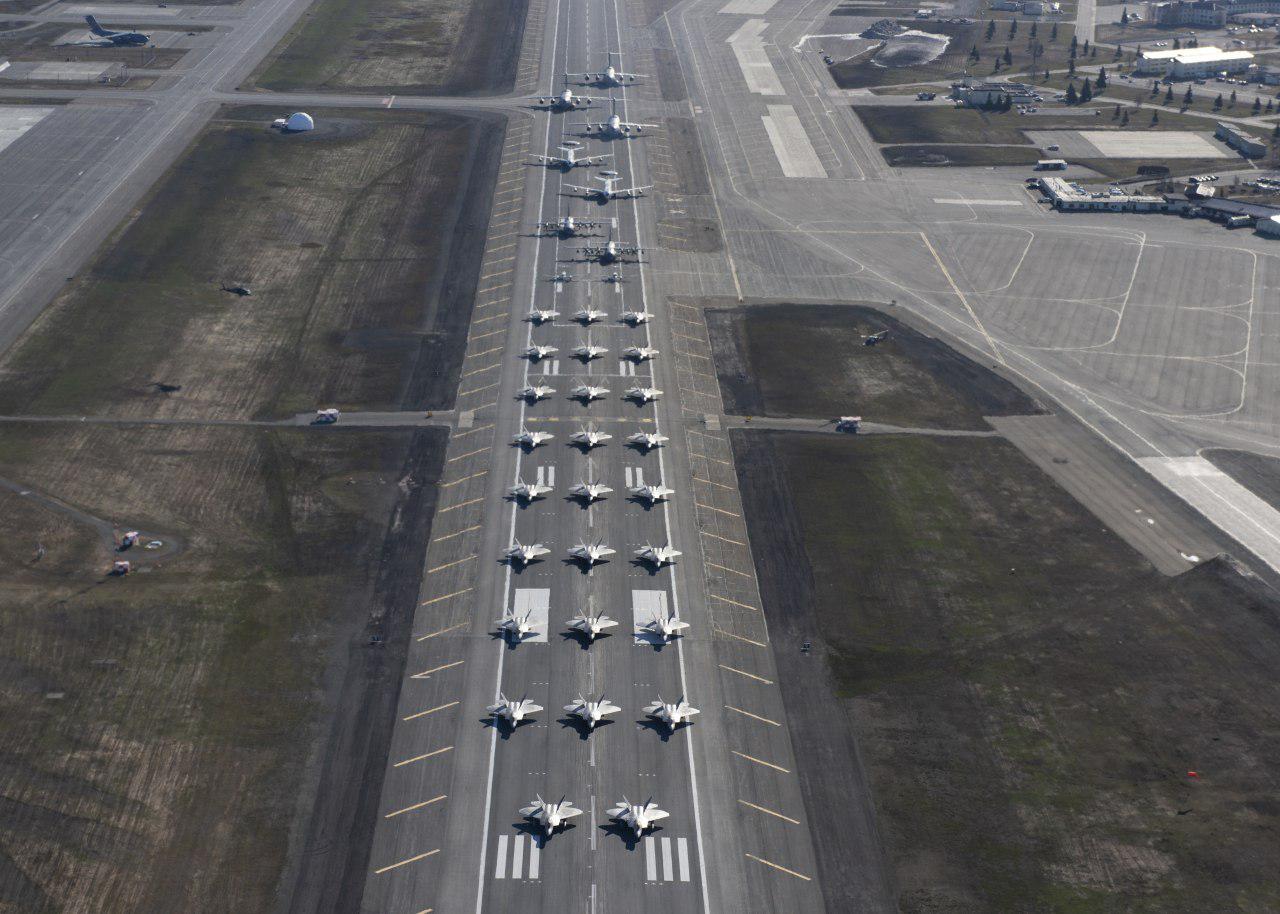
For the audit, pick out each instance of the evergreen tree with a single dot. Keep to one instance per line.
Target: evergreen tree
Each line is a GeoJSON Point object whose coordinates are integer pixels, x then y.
{"type": "Point", "coordinates": [1032, 33]}
{"type": "Point", "coordinates": [974, 55]}
{"type": "Point", "coordinates": [1124, 16]}
{"type": "Point", "coordinates": [1008, 57]}
{"type": "Point", "coordinates": [1188, 99]}
{"type": "Point", "coordinates": [1168, 96]}
{"type": "Point", "coordinates": [1072, 97]}
{"type": "Point", "coordinates": [1094, 53]}
{"type": "Point", "coordinates": [991, 29]}
{"type": "Point", "coordinates": [1086, 46]}
{"type": "Point", "coordinates": [1257, 107]}
{"type": "Point", "coordinates": [1086, 91]}
{"type": "Point", "coordinates": [1124, 121]}
{"type": "Point", "coordinates": [1053, 33]}
{"type": "Point", "coordinates": [1073, 45]}
{"type": "Point", "coordinates": [1270, 105]}
{"type": "Point", "coordinates": [1071, 67]}
{"type": "Point", "coordinates": [1233, 98]}
{"type": "Point", "coordinates": [1013, 28]}
{"type": "Point", "coordinates": [1115, 114]}
{"type": "Point", "coordinates": [1217, 102]}
{"type": "Point", "coordinates": [1177, 43]}
{"type": "Point", "coordinates": [1101, 82]}
{"type": "Point", "coordinates": [1155, 118]}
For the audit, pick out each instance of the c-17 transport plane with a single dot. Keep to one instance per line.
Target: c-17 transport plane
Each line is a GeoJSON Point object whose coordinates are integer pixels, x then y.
{"type": "Point", "coordinates": [568, 226]}
{"type": "Point", "coordinates": [565, 101]}
{"type": "Point", "coordinates": [609, 76]}
{"type": "Point", "coordinates": [570, 160]}
{"type": "Point", "coordinates": [108, 37]}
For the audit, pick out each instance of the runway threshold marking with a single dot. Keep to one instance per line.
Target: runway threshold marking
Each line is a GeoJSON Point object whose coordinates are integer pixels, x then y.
{"type": "Point", "coordinates": [778, 867]}
{"type": "Point", "coordinates": [415, 806]}
{"type": "Point", "coordinates": [462, 504]}
{"type": "Point", "coordinates": [740, 673]}
{"type": "Point", "coordinates": [437, 669]}
{"type": "Point", "coordinates": [451, 564]}
{"type": "Point", "coordinates": [721, 631]}
{"type": "Point", "coordinates": [769, 812]}
{"type": "Point", "coordinates": [387, 869]}
{"type": "Point", "coordinates": [724, 568]}
{"type": "Point", "coordinates": [441, 632]}
{"type": "Point", "coordinates": [716, 596]}
{"type": "Point", "coordinates": [445, 597]}
{"type": "Point", "coordinates": [758, 761]}
{"type": "Point", "coordinates": [450, 484]}
{"type": "Point", "coordinates": [763, 720]}
{"type": "Point", "coordinates": [718, 510]}
{"type": "Point", "coordinates": [417, 758]}
{"type": "Point", "coordinates": [449, 536]}
{"type": "Point", "coordinates": [429, 711]}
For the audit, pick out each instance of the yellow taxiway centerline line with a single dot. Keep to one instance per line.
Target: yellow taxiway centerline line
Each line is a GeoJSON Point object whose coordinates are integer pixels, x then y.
{"type": "Point", "coordinates": [740, 673]}
{"type": "Point", "coordinates": [436, 669]}
{"type": "Point", "coordinates": [445, 597]}
{"type": "Point", "coordinates": [429, 711]}
{"type": "Point", "coordinates": [418, 758]}
{"type": "Point", "coordinates": [450, 564]}
{"type": "Point", "coordinates": [754, 716]}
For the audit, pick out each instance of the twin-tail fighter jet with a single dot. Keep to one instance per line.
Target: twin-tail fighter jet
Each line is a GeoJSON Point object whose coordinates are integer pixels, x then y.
{"type": "Point", "coordinates": [589, 492]}
{"type": "Point", "coordinates": [538, 352]}
{"type": "Point", "coordinates": [551, 816]}
{"type": "Point", "coordinates": [639, 353]}
{"type": "Point", "coordinates": [542, 316]}
{"type": "Point", "coordinates": [590, 316]}
{"type": "Point", "coordinates": [643, 395]}
{"type": "Point", "coordinates": [664, 628]}
{"type": "Point", "coordinates": [589, 437]}
{"type": "Point", "coordinates": [657, 556]}
{"type": "Point", "coordinates": [515, 628]}
{"type": "Point", "coordinates": [590, 554]}
{"type": "Point", "coordinates": [526, 492]}
{"type": "Point", "coordinates": [588, 351]}
{"type": "Point", "coordinates": [532, 393]}
{"type": "Point", "coordinates": [588, 392]}
{"type": "Point", "coordinates": [511, 710]}
{"type": "Point", "coordinates": [591, 712]}
{"type": "Point", "coordinates": [529, 440]}
{"type": "Point", "coordinates": [671, 714]}
{"type": "Point", "coordinates": [638, 817]}
{"type": "Point", "coordinates": [651, 494]}
{"type": "Point", "coordinates": [647, 441]}
{"type": "Point", "coordinates": [521, 554]}
{"type": "Point", "coordinates": [591, 625]}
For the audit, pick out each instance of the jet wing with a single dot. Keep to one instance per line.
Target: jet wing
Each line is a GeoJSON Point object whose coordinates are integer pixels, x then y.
{"type": "Point", "coordinates": [632, 191]}
{"type": "Point", "coordinates": [590, 126]}
{"type": "Point", "coordinates": [653, 815]}
{"type": "Point", "coordinates": [628, 77]}
{"type": "Point", "coordinates": [551, 160]}
{"type": "Point", "coordinates": [582, 190]}
{"type": "Point", "coordinates": [633, 125]}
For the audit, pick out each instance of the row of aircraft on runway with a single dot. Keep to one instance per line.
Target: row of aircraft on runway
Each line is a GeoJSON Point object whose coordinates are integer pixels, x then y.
{"type": "Point", "coordinates": [664, 626]}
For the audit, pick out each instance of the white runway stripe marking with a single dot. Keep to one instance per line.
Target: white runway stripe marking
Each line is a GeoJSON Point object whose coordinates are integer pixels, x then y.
{"type": "Point", "coordinates": [650, 861]}
{"type": "Point", "coordinates": [517, 857]}
{"type": "Point", "coordinates": [499, 868]}
{"type": "Point", "coordinates": [667, 871]}
{"type": "Point", "coordinates": [682, 852]}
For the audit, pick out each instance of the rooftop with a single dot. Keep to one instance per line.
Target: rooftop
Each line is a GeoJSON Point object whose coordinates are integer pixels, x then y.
{"type": "Point", "coordinates": [1196, 55]}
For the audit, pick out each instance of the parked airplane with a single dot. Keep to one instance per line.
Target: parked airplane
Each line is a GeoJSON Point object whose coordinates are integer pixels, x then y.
{"type": "Point", "coordinates": [513, 711]}
{"type": "Point", "coordinates": [115, 38]}
{"type": "Point", "coordinates": [589, 555]}
{"type": "Point", "coordinates": [591, 712]}
{"type": "Point", "coordinates": [643, 394]}
{"type": "Point", "coordinates": [530, 440]}
{"type": "Point", "coordinates": [591, 626]}
{"type": "Point", "coordinates": [521, 554]}
{"type": "Point", "coordinates": [611, 251]}
{"type": "Point", "coordinates": [565, 101]}
{"type": "Point", "coordinates": [569, 226]}
{"type": "Point", "coordinates": [590, 315]}
{"type": "Point", "coordinates": [673, 715]}
{"type": "Point", "coordinates": [639, 817]}
{"type": "Point", "coordinates": [615, 126]}
{"type": "Point", "coordinates": [527, 492]}
{"type": "Point", "coordinates": [589, 437]}
{"type": "Point", "coordinates": [588, 351]}
{"type": "Point", "coordinates": [870, 339]}
{"type": "Point", "coordinates": [849, 424]}
{"type": "Point", "coordinates": [639, 353]}
{"type": "Point", "coordinates": [516, 628]}
{"type": "Point", "coordinates": [657, 555]}
{"type": "Point", "coordinates": [550, 815]}
{"type": "Point", "coordinates": [535, 392]}
{"type": "Point", "coordinates": [562, 276]}
{"type": "Point", "coordinates": [537, 353]}
{"type": "Point", "coordinates": [542, 315]}
{"type": "Point", "coordinates": [570, 160]}
{"type": "Point", "coordinates": [651, 494]}
{"type": "Point", "coordinates": [666, 628]}
{"type": "Point", "coordinates": [635, 318]}
{"type": "Point", "coordinates": [588, 392]}
{"type": "Point", "coordinates": [589, 491]}
{"type": "Point", "coordinates": [647, 441]}
{"type": "Point", "coordinates": [608, 189]}
{"type": "Point", "coordinates": [615, 277]}
{"type": "Point", "coordinates": [609, 76]}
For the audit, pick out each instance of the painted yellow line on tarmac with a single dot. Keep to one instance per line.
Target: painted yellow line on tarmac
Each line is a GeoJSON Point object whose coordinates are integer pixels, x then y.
{"type": "Point", "coordinates": [449, 536]}
{"type": "Point", "coordinates": [429, 710]}
{"type": "Point", "coordinates": [724, 568]}
{"type": "Point", "coordinates": [716, 596]}
{"type": "Point", "coordinates": [770, 812]}
{"type": "Point", "coordinates": [720, 510]}
{"type": "Point", "coordinates": [461, 504]}
{"type": "Point", "coordinates": [726, 539]}
{"type": "Point", "coordinates": [781, 869]}
{"type": "Point", "coordinates": [456, 593]}
{"type": "Point", "coordinates": [742, 673]}
{"type": "Point", "coordinates": [721, 631]}
{"type": "Point", "coordinates": [472, 431]}
{"type": "Point", "coordinates": [486, 352]}
{"type": "Point", "coordinates": [711, 482]}
{"type": "Point", "coordinates": [481, 336]}
{"type": "Point", "coordinates": [477, 390]}
{"type": "Point", "coordinates": [454, 482]}
{"type": "Point", "coordinates": [467, 374]}
{"type": "Point", "coordinates": [387, 869]}
{"type": "Point", "coordinates": [436, 669]}
{"type": "Point", "coordinates": [482, 450]}
{"type": "Point", "coordinates": [442, 631]}
{"type": "Point", "coordinates": [485, 320]}
{"type": "Point", "coordinates": [763, 720]}
{"type": "Point", "coordinates": [450, 564]}
{"type": "Point", "coordinates": [415, 806]}
{"type": "Point", "coordinates": [418, 758]}
{"type": "Point", "coordinates": [752, 758]}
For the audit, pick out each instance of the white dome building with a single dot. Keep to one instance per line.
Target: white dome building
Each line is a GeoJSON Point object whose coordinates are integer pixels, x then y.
{"type": "Point", "coordinates": [299, 122]}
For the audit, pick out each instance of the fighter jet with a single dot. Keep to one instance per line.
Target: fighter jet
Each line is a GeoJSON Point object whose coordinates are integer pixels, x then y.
{"type": "Point", "coordinates": [639, 353]}
{"type": "Point", "coordinates": [647, 441]}
{"type": "Point", "coordinates": [608, 189]}
{"type": "Point", "coordinates": [636, 318]}
{"type": "Point", "coordinates": [521, 554]}
{"type": "Point", "coordinates": [615, 127]}
{"type": "Point", "coordinates": [870, 339]}
{"type": "Point", "coordinates": [614, 277]}
{"type": "Point", "coordinates": [589, 437]}
{"type": "Point", "coordinates": [589, 491]}
{"type": "Point", "coordinates": [562, 276]}
{"type": "Point", "coordinates": [526, 492]}
{"type": "Point", "coordinates": [550, 815]}
{"type": "Point", "coordinates": [537, 353]}
{"type": "Point", "coordinates": [643, 394]}
{"type": "Point", "coordinates": [588, 392]}
{"type": "Point", "coordinates": [651, 494]}
{"type": "Point", "coordinates": [609, 76]}
{"type": "Point", "coordinates": [530, 440]}
{"type": "Point", "coordinates": [535, 392]}
{"type": "Point", "coordinates": [673, 715]}
{"type": "Point", "coordinates": [565, 101]}
{"type": "Point", "coordinates": [542, 316]}
{"type": "Point", "coordinates": [569, 227]}
{"type": "Point", "coordinates": [657, 555]}
{"type": "Point", "coordinates": [590, 316]}
{"type": "Point", "coordinates": [569, 161]}
{"type": "Point", "coordinates": [587, 351]}
{"type": "Point", "coordinates": [516, 628]}
{"type": "Point", "coordinates": [639, 817]}
{"type": "Point", "coordinates": [590, 554]}
{"type": "Point", "coordinates": [108, 37]}
{"type": "Point", "coordinates": [512, 711]}
{"type": "Point", "coordinates": [591, 626]}
{"type": "Point", "coordinates": [664, 628]}
{"type": "Point", "coordinates": [591, 712]}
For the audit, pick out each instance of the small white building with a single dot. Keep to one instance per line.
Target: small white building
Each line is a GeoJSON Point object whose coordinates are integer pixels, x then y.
{"type": "Point", "coordinates": [1070, 196]}
{"type": "Point", "coordinates": [1193, 63]}
{"type": "Point", "coordinates": [1246, 144]}
{"type": "Point", "coordinates": [1269, 226]}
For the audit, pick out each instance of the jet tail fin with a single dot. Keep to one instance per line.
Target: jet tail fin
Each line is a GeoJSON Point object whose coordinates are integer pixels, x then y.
{"type": "Point", "coordinates": [94, 27]}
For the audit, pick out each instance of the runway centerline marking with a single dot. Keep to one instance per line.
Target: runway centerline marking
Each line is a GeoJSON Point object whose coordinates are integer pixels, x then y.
{"type": "Point", "coordinates": [418, 758]}
{"type": "Point", "coordinates": [740, 673]}
{"type": "Point", "coordinates": [721, 631]}
{"type": "Point", "coordinates": [417, 806]}
{"type": "Point", "coordinates": [758, 761]}
{"type": "Point", "coordinates": [456, 593]}
{"type": "Point", "coordinates": [450, 564]}
{"type": "Point", "coordinates": [429, 711]}
{"type": "Point", "coordinates": [387, 869]}
{"type": "Point", "coordinates": [770, 812]}
{"type": "Point", "coordinates": [764, 720]}
{"type": "Point", "coordinates": [437, 669]}
{"type": "Point", "coordinates": [776, 866]}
